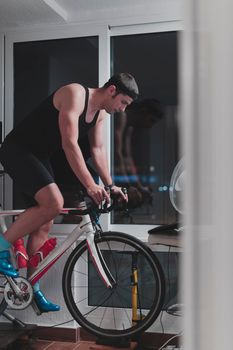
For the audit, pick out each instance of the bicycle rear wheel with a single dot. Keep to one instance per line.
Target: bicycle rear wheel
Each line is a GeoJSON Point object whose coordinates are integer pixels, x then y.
{"type": "Point", "coordinates": [108, 313]}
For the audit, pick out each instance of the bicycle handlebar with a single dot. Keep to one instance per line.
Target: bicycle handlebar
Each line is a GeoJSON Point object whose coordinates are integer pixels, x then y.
{"type": "Point", "coordinates": [105, 208]}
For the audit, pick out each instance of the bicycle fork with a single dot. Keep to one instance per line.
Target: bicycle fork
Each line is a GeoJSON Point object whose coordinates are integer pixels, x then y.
{"type": "Point", "coordinates": [99, 261]}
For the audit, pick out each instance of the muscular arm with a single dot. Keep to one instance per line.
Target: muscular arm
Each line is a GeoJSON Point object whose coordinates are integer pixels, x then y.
{"type": "Point", "coordinates": [98, 151]}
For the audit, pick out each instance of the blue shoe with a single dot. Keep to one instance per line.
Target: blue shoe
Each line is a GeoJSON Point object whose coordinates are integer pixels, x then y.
{"type": "Point", "coordinates": [43, 304]}
{"type": "Point", "coordinates": [6, 267]}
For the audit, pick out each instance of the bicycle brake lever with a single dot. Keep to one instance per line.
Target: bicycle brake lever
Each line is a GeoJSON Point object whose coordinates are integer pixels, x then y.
{"type": "Point", "coordinates": [106, 208]}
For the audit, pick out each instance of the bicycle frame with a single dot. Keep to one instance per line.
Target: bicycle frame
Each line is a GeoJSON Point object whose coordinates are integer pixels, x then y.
{"type": "Point", "coordinates": [85, 227]}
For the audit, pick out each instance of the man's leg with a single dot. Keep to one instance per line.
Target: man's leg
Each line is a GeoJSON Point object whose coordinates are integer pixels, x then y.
{"type": "Point", "coordinates": [50, 203]}
{"type": "Point", "coordinates": [37, 238]}
{"type": "Point", "coordinates": [38, 220]}
{"type": "Point", "coordinates": [34, 177]}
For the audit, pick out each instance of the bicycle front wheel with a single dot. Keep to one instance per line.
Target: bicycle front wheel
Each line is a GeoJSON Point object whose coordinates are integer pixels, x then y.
{"type": "Point", "coordinates": [134, 302]}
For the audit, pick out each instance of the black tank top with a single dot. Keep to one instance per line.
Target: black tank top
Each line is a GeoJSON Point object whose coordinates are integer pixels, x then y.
{"type": "Point", "coordinates": [39, 131]}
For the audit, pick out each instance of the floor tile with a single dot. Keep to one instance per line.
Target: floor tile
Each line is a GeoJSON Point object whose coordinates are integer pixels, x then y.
{"type": "Point", "coordinates": [62, 346]}
{"type": "Point", "coordinates": [30, 344]}
{"type": "Point", "coordinates": [40, 345]}
{"type": "Point", "coordinates": [93, 346]}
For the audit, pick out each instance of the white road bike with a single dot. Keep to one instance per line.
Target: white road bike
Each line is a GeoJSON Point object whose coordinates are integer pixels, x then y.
{"type": "Point", "coordinates": [113, 283]}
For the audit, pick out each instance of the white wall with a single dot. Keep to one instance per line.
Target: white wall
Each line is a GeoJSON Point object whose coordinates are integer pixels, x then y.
{"type": "Point", "coordinates": [206, 99]}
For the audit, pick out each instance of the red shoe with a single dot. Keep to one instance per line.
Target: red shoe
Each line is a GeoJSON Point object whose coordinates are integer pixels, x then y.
{"type": "Point", "coordinates": [20, 253]}
{"type": "Point", "coordinates": [43, 252]}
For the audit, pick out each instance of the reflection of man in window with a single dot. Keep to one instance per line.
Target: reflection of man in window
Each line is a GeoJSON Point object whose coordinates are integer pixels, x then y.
{"type": "Point", "coordinates": [139, 115]}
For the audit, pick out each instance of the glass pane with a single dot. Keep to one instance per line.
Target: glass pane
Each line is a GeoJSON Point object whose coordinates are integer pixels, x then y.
{"type": "Point", "coordinates": [40, 67]}
{"type": "Point", "coordinates": [145, 144]}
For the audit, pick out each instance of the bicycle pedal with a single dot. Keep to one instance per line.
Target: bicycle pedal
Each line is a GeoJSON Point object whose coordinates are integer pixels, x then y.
{"type": "Point", "coordinates": [36, 309]}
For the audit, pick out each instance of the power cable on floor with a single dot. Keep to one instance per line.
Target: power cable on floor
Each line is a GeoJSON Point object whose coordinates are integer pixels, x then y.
{"type": "Point", "coordinates": [168, 341]}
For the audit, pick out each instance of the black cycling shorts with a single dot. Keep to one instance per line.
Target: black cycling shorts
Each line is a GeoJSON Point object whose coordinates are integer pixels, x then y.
{"type": "Point", "coordinates": [29, 171]}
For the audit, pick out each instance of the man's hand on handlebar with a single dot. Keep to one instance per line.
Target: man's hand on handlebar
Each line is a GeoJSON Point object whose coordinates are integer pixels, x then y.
{"type": "Point", "coordinates": [106, 206]}
{"type": "Point", "coordinates": [118, 191]}
{"type": "Point", "coordinates": [98, 194]}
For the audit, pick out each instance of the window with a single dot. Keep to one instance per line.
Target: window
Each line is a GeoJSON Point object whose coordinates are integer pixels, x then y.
{"type": "Point", "coordinates": [145, 144]}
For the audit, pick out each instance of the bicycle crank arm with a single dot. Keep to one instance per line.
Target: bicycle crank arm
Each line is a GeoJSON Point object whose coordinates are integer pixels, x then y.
{"type": "Point", "coordinates": [14, 287]}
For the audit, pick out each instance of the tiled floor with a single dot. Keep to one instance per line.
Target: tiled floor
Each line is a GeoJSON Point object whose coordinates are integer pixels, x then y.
{"type": "Point", "coordinates": [13, 338]}
{"type": "Point", "coordinates": [50, 345]}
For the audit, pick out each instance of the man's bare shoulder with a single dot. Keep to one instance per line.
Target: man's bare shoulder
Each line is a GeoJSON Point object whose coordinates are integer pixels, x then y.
{"type": "Point", "coordinates": [68, 94]}
{"type": "Point", "coordinates": [74, 88]}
